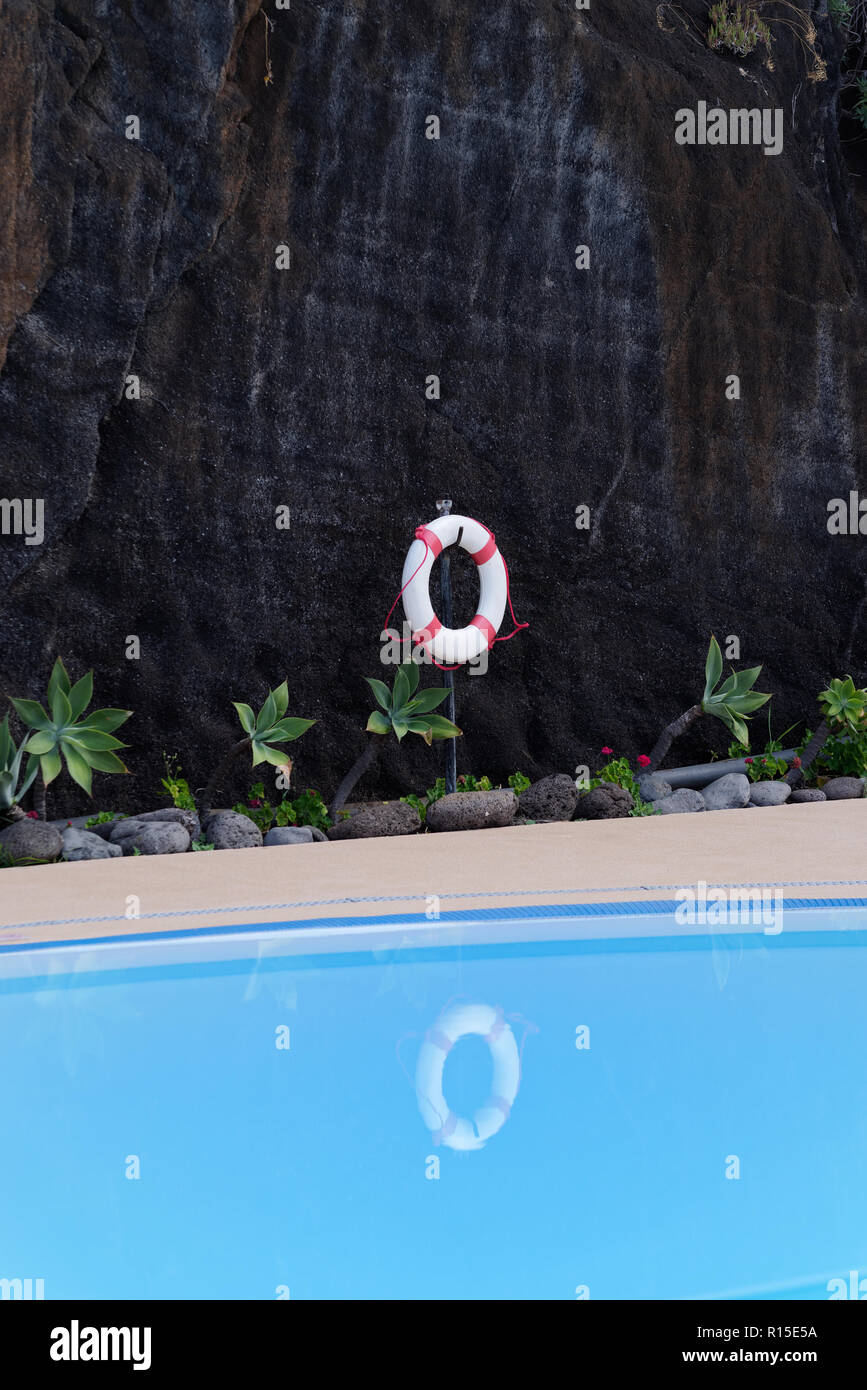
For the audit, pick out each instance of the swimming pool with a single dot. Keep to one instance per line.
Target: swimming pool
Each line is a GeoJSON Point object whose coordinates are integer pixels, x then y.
{"type": "Point", "coordinates": [241, 1114]}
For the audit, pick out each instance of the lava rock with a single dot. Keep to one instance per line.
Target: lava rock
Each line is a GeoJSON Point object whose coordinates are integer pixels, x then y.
{"type": "Point", "coordinates": [652, 786]}
{"type": "Point", "coordinates": [289, 835]}
{"type": "Point", "coordinates": [726, 793]}
{"type": "Point", "coordinates": [807, 794]}
{"type": "Point", "coordinates": [188, 819]}
{"type": "Point", "coordinates": [29, 840]}
{"type": "Point", "coordinates": [375, 819]}
{"type": "Point", "coordinates": [552, 798]}
{"type": "Point", "coordinates": [231, 830]}
{"type": "Point", "coordinates": [681, 802]}
{"type": "Point", "coordinates": [769, 793]}
{"type": "Point", "coordinates": [103, 830]}
{"type": "Point", "coordinates": [150, 837]}
{"type": "Point", "coordinates": [605, 802]}
{"type": "Point", "coordinates": [843, 789]}
{"type": "Point", "coordinates": [473, 810]}
{"type": "Point", "coordinates": [83, 844]}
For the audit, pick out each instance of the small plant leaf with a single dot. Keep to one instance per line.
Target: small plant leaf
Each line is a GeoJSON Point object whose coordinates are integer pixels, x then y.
{"type": "Point", "coordinates": [381, 692]}
{"type": "Point", "coordinates": [31, 713]}
{"type": "Point", "coordinates": [713, 666]}
{"type": "Point", "coordinates": [246, 716]}
{"type": "Point", "coordinates": [426, 700]}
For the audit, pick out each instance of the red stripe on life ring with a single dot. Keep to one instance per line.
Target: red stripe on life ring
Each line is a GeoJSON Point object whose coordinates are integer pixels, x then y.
{"type": "Point", "coordinates": [427, 634]}
{"type": "Point", "coordinates": [488, 549]}
{"type": "Point", "coordinates": [422, 533]}
{"type": "Point", "coordinates": [447, 1130]}
{"type": "Point", "coordinates": [481, 622]}
{"type": "Point", "coordinates": [496, 1030]}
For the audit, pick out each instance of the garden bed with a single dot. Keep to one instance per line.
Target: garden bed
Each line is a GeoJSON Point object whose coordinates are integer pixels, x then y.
{"type": "Point", "coordinates": [830, 765]}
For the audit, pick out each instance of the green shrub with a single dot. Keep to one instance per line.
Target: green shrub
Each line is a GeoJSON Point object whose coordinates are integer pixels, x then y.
{"type": "Point", "coordinates": [311, 810]}
{"type": "Point", "coordinates": [468, 783]}
{"type": "Point", "coordinates": [177, 786]}
{"type": "Point", "coordinates": [619, 772]}
{"type": "Point", "coordinates": [764, 766]}
{"type": "Point", "coordinates": [306, 809]}
{"type": "Point", "coordinates": [736, 28]}
{"type": "Point", "coordinates": [842, 755]}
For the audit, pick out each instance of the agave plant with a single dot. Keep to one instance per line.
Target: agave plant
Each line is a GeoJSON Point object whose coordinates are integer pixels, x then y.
{"type": "Point", "coordinates": [262, 733]}
{"type": "Point", "coordinates": [11, 789]}
{"type": "Point", "coordinates": [844, 710]}
{"type": "Point", "coordinates": [733, 702]}
{"type": "Point", "coordinates": [403, 710]}
{"type": "Point", "coordinates": [64, 737]}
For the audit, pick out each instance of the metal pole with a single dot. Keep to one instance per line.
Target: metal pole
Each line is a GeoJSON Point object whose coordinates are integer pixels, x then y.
{"type": "Point", "coordinates": [444, 506]}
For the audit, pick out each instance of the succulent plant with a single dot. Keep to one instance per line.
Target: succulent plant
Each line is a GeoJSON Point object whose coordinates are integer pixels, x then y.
{"type": "Point", "coordinates": [65, 737]}
{"type": "Point", "coordinates": [262, 733]}
{"type": "Point", "coordinates": [733, 702]}
{"type": "Point", "coordinates": [12, 789]}
{"type": "Point", "coordinates": [401, 711]}
{"type": "Point", "coordinates": [405, 712]}
{"type": "Point", "coordinates": [844, 710]}
{"type": "Point", "coordinates": [269, 727]}
{"type": "Point", "coordinates": [844, 705]}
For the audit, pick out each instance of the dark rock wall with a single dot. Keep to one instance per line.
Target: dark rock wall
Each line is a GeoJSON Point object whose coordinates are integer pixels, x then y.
{"type": "Point", "coordinates": [305, 387]}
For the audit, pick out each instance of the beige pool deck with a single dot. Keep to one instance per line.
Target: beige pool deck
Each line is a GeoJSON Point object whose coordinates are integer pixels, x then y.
{"type": "Point", "coordinates": [814, 851]}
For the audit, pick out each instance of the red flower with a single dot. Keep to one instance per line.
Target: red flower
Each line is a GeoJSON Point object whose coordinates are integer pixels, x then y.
{"type": "Point", "coordinates": [643, 760]}
{"type": "Point", "coordinates": [31, 815]}
{"type": "Point", "coordinates": [606, 750]}
{"type": "Point", "coordinates": [254, 801]}
{"type": "Point", "coordinates": [747, 760]}
{"type": "Point", "coordinates": [796, 762]}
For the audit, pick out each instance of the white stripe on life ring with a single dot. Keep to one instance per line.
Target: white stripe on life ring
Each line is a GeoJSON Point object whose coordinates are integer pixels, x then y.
{"type": "Point", "coordinates": [454, 646]}
{"type": "Point", "coordinates": [447, 1127]}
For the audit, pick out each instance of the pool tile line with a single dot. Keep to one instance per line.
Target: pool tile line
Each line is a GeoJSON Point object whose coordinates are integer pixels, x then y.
{"type": "Point", "coordinates": [579, 909]}
{"type": "Point", "coordinates": [528, 912]}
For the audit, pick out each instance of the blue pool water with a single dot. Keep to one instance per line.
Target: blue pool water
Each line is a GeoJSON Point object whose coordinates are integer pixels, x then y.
{"type": "Point", "coordinates": [310, 1167]}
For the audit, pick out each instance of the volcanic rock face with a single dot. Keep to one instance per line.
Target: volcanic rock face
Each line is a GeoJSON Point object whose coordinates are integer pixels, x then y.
{"type": "Point", "coordinates": [166, 387]}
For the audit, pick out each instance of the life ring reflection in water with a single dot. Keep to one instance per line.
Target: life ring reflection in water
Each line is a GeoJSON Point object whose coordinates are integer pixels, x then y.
{"type": "Point", "coordinates": [458, 1022]}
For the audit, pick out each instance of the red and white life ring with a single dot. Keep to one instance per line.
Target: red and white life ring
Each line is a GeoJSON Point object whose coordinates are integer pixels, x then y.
{"type": "Point", "coordinates": [446, 1127]}
{"type": "Point", "coordinates": [454, 646]}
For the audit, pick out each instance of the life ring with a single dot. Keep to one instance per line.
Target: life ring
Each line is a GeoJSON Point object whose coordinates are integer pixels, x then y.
{"type": "Point", "coordinates": [454, 646]}
{"type": "Point", "coordinates": [456, 1023]}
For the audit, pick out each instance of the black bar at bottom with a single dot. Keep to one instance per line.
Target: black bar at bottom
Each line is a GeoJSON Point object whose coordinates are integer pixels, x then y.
{"type": "Point", "coordinates": [63, 1338]}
